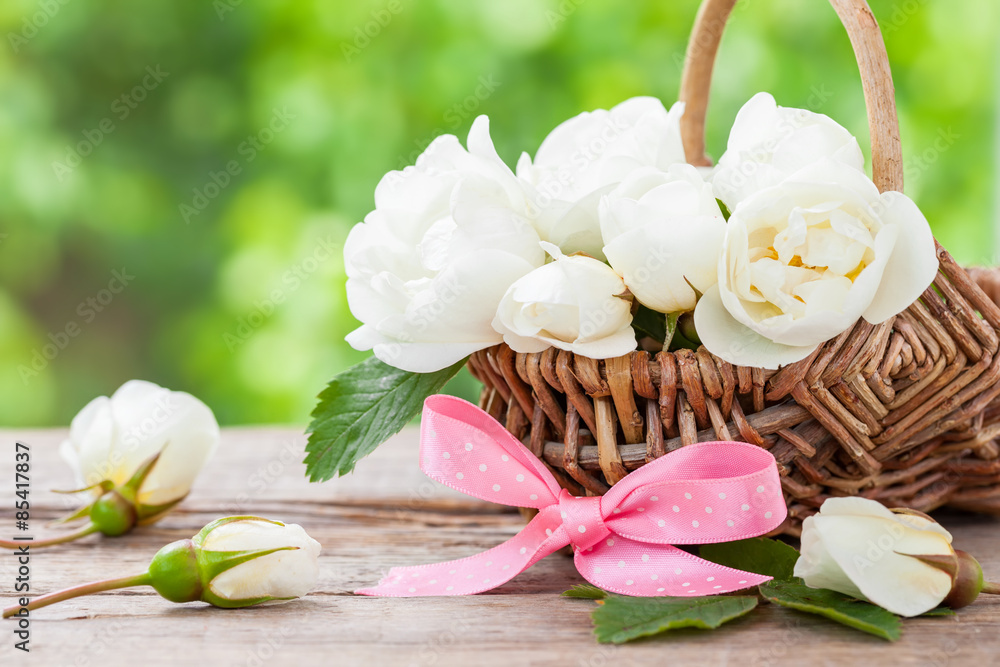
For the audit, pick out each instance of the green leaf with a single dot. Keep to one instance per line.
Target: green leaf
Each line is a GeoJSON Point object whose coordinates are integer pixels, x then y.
{"type": "Point", "coordinates": [360, 409]}
{"type": "Point", "coordinates": [585, 592]}
{"type": "Point", "coordinates": [939, 611]}
{"type": "Point", "coordinates": [857, 614]}
{"type": "Point", "coordinates": [620, 619]}
{"type": "Point", "coordinates": [759, 555]}
{"type": "Point", "coordinates": [648, 322]}
{"type": "Point", "coordinates": [724, 209]}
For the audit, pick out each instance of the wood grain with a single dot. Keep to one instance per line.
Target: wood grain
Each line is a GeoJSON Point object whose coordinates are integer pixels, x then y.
{"type": "Point", "coordinates": [385, 514]}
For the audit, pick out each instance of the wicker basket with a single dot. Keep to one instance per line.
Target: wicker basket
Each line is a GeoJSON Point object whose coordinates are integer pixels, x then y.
{"type": "Point", "coordinates": [903, 412]}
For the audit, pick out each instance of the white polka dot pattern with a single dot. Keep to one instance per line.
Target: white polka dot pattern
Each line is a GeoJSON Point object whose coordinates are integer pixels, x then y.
{"type": "Point", "coordinates": [623, 541]}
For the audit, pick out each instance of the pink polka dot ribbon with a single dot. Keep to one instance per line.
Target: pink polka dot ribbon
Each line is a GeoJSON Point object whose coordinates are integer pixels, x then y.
{"type": "Point", "coordinates": [623, 541]}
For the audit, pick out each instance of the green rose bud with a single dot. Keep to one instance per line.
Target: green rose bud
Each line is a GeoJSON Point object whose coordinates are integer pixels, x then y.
{"type": "Point", "coordinates": [234, 562]}
{"type": "Point", "coordinates": [238, 562]}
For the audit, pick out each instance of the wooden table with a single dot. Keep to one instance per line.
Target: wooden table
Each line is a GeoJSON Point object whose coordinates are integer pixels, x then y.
{"type": "Point", "coordinates": [387, 513]}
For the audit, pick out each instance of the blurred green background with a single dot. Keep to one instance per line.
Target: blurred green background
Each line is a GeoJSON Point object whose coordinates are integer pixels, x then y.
{"type": "Point", "coordinates": [215, 154]}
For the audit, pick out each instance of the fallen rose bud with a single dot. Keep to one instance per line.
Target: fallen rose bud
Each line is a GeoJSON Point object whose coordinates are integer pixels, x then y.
{"type": "Point", "coordinates": [138, 452]}
{"type": "Point", "coordinates": [901, 559]}
{"type": "Point", "coordinates": [237, 562]}
{"type": "Point", "coordinates": [234, 562]}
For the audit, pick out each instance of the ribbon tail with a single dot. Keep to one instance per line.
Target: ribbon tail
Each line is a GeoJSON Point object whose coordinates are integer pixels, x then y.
{"type": "Point", "coordinates": [485, 571]}
{"type": "Point", "coordinates": [628, 567]}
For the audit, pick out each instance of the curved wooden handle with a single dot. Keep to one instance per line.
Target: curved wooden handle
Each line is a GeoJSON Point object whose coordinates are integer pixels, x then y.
{"type": "Point", "coordinates": [876, 79]}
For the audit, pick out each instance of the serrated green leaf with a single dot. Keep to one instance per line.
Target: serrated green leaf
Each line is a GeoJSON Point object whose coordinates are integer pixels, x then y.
{"type": "Point", "coordinates": [360, 409]}
{"type": "Point", "coordinates": [585, 592]}
{"type": "Point", "coordinates": [759, 555]}
{"type": "Point", "coordinates": [853, 613]}
{"type": "Point", "coordinates": [620, 619]}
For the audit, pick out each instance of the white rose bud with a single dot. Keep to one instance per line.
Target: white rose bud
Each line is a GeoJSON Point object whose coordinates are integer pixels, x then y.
{"type": "Point", "coordinates": [112, 437]}
{"type": "Point", "coordinates": [585, 157]}
{"type": "Point", "coordinates": [803, 260]}
{"type": "Point", "coordinates": [857, 547]}
{"type": "Point", "coordinates": [427, 268]}
{"type": "Point", "coordinates": [138, 453]}
{"type": "Point", "coordinates": [235, 562]}
{"type": "Point", "coordinates": [289, 571]}
{"type": "Point", "coordinates": [663, 232]}
{"type": "Point", "coordinates": [575, 303]}
{"type": "Point", "coordinates": [768, 143]}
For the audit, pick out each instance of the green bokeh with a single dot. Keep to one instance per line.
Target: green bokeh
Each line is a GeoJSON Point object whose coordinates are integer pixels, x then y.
{"type": "Point", "coordinates": [239, 300]}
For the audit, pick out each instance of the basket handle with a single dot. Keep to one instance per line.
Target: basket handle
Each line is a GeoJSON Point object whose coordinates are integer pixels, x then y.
{"type": "Point", "coordinates": [876, 79]}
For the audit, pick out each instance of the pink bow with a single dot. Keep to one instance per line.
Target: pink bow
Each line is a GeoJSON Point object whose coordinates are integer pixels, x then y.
{"type": "Point", "coordinates": [699, 494]}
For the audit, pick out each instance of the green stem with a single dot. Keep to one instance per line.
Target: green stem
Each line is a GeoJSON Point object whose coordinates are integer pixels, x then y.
{"type": "Point", "coordinates": [991, 588]}
{"type": "Point", "coordinates": [85, 589]}
{"type": "Point", "coordinates": [62, 539]}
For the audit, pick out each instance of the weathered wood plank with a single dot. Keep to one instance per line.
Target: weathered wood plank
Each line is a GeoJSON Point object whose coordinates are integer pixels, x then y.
{"type": "Point", "coordinates": [388, 514]}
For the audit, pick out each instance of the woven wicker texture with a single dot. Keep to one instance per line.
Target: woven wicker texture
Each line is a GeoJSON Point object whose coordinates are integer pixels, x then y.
{"type": "Point", "coordinates": [904, 412]}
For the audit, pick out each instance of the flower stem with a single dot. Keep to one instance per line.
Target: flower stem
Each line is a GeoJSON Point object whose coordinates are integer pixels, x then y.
{"type": "Point", "coordinates": [991, 588]}
{"type": "Point", "coordinates": [62, 539]}
{"type": "Point", "coordinates": [84, 589]}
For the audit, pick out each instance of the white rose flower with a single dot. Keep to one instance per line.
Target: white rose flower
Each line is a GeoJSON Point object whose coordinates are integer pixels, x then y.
{"type": "Point", "coordinates": [289, 573]}
{"type": "Point", "coordinates": [859, 548]}
{"type": "Point", "coordinates": [575, 303]}
{"type": "Point", "coordinates": [768, 143]}
{"type": "Point", "coordinates": [803, 260]}
{"type": "Point", "coordinates": [112, 437]}
{"type": "Point", "coordinates": [429, 265]}
{"type": "Point", "coordinates": [583, 159]}
{"type": "Point", "coordinates": [663, 232]}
